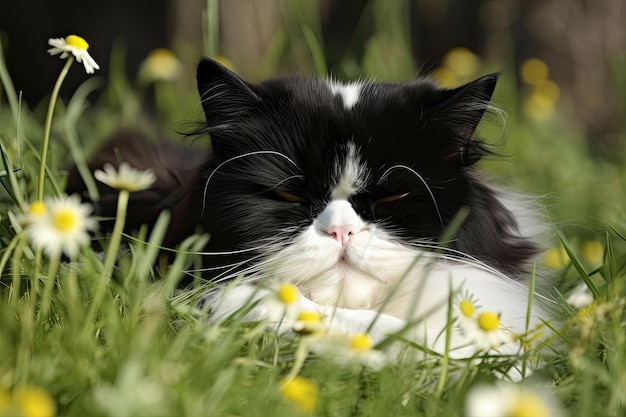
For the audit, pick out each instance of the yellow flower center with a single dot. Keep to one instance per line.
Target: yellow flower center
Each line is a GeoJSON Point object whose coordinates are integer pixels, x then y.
{"type": "Point", "coordinates": [77, 42]}
{"type": "Point", "coordinates": [529, 405]}
{"type": "Point", "coordinates": [64, 220]}
{"type": "Point", "coordinates": [488, 321]}
{"type": "Point", "coordinates": [287, 293]}
{"type": "Point", "coordinates": [37, 208]}
{"type": "Point", "coordinates": [301, 392]}
{"type": "Point", "coordinates": [310, 317]}
{"type": "Point", "coordinates": [467, 308]}
{"type": "Point", "coordinates": [361, 342]}
{"type": "Point", "coordinates": [34, 401]}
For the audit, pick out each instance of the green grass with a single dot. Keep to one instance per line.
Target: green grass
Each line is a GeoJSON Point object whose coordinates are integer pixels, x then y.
{"type": "Point", "coordinates": [145, 349]}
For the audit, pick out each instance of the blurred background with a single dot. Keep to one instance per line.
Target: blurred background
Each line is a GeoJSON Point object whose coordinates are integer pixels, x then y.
{"type": "Point", "coordinates": [562, 65]}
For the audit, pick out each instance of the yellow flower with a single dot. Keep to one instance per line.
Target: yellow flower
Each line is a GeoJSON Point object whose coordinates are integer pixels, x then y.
{"type": "Point", "coordinates": [36, 210]}
{"type": "Point", "coordinates": [125, 178]}
{"type": "Point", "coordinates": [548, 89]}
{"type": "Point", "coordinates": [361, 342]}
{"type": "Point", "coordinates": [287, 294]}
{"type": "Point", "coordinates": [556, 258]}
{"type": "Point", "coordinates": [510, 400]}
{"type": "Point", "coordinates": [485, 331]}
{"type": "Point", "coordinates": [466, 305]}
{"type": "Point", "coordinates": [533, 71]}
{"type": "Point", "coordinates": [27, 401]}
{"type": "Point", "coordinates": [34, 402]}
{"type": "Point", "coordinates": [160, 65]}
{"type": "Point", "coordinates": [74, 45]}
{"type": "Point", "coordinates": [467, 308]}
{"type": "Point", "coordinates": [488, 321]}
{"type": "Point", "coordinates": [62, 228]}
{"type": "Point", "coordinates": [308, 322]}
{"type": "Point", "coordinates": [301, 392]}
{"type": "Point", "coordinates": [462, 62]}
{"type": "Point", "coordinates": [593, 252]}
{"type": "Point", "coordinates": [349, 349]}
{"type": "Point", "coordinates": [281, 303]}
{"type": "Point", "coordinates": [539, 106]}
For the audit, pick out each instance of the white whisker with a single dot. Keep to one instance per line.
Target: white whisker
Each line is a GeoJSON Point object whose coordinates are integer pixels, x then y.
{"type": "Point", "coordinates": [234, 158]}
{"type": "Point", "coordinates": [432, 196]}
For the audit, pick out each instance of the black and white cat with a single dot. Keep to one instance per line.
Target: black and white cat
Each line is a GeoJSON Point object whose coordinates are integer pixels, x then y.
{"type": "Point", "coordinates": [344, 190]}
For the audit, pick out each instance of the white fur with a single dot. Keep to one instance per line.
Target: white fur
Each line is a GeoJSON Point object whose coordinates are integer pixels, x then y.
{"type": "Point", "coordinates": [349, 93]}
{"type": "Point", "coordinates": [352, 175]}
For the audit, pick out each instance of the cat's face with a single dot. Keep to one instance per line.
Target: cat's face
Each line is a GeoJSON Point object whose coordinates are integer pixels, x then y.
{"type": "Point", "coordinates": [327, 184]}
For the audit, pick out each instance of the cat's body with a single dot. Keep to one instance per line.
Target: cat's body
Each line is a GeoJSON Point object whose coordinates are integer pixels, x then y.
{"type": "Point", "coordinates": [344, 190]}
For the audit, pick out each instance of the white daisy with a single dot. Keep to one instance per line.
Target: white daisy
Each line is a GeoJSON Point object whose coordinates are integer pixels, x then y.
{"type": "Point", "coordinates": [467, 305]}
{"type": "Point", "coordinates": [349, 349]}
{"type": "Point", "coordinates": [125, 177]}
{"type": "Point", "coordinates": [308, 323]}
{"type": "Point", "coordinates": [485, 331]}
{"type": "Point", "coordinates": [76, 46]}
{"type": "Point", "coordinates": [507, 399]}
{"type": "Point", "coordinates": [63, 227]}
{"type": "Point", "coordinates": [281, 304]}
{"type": "Point", "coordinates": [36, 210]}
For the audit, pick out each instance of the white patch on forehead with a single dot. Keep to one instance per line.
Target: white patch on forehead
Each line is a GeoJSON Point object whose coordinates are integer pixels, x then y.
{"type": "Point", "coordinates": [349, 92]}
{"type": "Point", "coordinates": [351, 175]}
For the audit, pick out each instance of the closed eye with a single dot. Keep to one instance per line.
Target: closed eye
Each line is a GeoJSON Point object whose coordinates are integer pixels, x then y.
{"type": "Point", "coordinates": [392, 198]}
{"type": "Point", "coordinates": [289, 197]}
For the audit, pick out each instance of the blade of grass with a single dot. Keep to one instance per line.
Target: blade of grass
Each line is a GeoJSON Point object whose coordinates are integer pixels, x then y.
{"type": "Point", "coordinates": [212, 28]}
{"type": "Point", "coordinates": [7, 84]}
{"type": "Point", "coordinates": [317, 52]}
{"type": "Point", "coordinates": [578, 265]}
{"type": "Point", "coordinates": [74, 111]}
{"type": "Point", "coordinates": [446, 353]}
{"type": "Point", "coordinates": [12, 186]}
{"type": "Point", "coordinates": [620, 235]}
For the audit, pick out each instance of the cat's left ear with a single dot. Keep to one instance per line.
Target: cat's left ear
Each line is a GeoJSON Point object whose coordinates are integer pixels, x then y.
{"type": "Point", "coordinates": [460, 110]}
{"type": "Point", "coordinates": [225, 96]}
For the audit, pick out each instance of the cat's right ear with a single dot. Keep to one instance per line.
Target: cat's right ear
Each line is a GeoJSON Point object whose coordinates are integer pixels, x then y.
{"type": "Point", "coordinates": [225, 97]}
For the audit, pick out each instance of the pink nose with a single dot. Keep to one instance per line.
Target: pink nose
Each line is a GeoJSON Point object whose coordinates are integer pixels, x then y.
{"type": "Point", "coordinates": [340, 233]}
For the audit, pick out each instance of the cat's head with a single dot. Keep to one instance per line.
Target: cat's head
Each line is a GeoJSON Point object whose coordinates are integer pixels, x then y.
{"type": "Point", "coordinates": [311, 175]}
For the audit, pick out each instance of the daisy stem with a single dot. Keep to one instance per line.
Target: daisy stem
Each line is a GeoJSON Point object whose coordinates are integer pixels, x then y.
{"type": "Point", "coordinates": [46, 296]}
{"type": "Point", "coordinates": [16, 274]}
{"type": "Point", "coordinates": [69, 286]}
{"type": "Point", "coordinates": [48, 125]}
{"type": "Point", "coordinates": [111, 254]}
{"type": "Point", "coordinates": [298, 360]}
{"type": "Point", "coordinates": [35, 283]}
{"type": "Point", "coordinates": [531, 293]}
{"type": "Point", "coordinates": [446, 353]}
{"type": "Point", "coordinates": [7, 253]}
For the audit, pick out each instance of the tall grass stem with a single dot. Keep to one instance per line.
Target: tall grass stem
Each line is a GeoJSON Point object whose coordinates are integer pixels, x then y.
{"type": "Point", "coordinates": [111, 254]}
{"type": "Point", "coordinates": [48, 125]}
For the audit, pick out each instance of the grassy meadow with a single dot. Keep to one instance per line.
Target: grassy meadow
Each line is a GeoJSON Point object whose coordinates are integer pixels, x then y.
{"type": "Point", "coordinates": [85, 333]}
